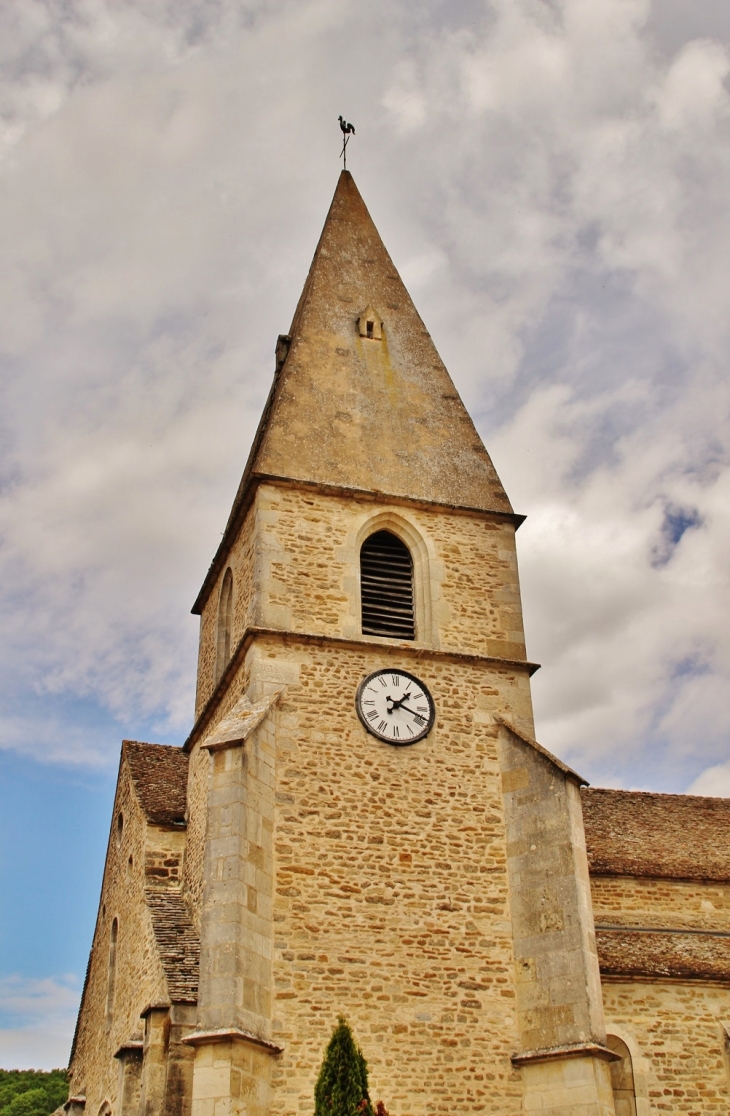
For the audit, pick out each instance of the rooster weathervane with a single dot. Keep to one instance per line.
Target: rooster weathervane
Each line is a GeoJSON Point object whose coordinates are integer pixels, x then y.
{"type": "Point", "coordinates": [347, 131]}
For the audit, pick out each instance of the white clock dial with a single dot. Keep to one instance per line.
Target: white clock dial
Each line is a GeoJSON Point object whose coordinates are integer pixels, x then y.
{"type": "Point", "coordinates": [395, 706]}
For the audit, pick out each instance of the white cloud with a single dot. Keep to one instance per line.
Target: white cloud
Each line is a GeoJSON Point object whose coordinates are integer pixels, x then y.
{"type": "Point", "coordinates": [555, 187]}
{"type": "Point", "coordinates": [38, 1018]}
{"type": "Point", "coordinates": [713, 781]}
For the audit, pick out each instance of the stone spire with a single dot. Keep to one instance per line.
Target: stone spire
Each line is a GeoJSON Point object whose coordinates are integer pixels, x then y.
{"type": "Point", "coordinates": [361, 406]}
{"type": "Point", "coordinates": [377, 414]}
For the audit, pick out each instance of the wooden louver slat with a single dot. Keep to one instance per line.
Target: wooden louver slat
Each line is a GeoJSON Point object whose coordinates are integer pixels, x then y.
{"type": "Point", "coordinates": [386, 582]}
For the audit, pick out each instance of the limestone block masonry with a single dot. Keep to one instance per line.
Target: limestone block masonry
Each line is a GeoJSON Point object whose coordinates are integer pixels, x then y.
{"type": "Point", "coordinates": [285, 866]}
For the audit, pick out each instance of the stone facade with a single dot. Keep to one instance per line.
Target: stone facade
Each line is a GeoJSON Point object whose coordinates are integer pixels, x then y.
{"type": "Point", "coordinates": [493, 953]}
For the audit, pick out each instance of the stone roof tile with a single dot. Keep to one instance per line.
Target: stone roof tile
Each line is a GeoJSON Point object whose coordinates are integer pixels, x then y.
{"type": "Point", "coordinates": [160, 776]}
{"type": "Point", "coordinates": [178, 943]}
{"type": "Point", "coordinates": [664, 954]}
{"type": "Point", "coordinates": [666, 836]}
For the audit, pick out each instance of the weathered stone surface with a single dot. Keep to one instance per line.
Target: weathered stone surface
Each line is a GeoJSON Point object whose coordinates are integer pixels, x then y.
{"type": "Point", "coordinates": [370, 415]}
{"type": "Point", "coordinates": [286, 866]}
{"type": "Point", "coordinates": [142, 881]}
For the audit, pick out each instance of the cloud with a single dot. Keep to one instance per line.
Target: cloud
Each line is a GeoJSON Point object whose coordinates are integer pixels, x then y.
{"type": "Point", "coordinates": [37, 1019]}
{"type": "Point", "coordinates": [552, 180]}
{"type": "Point", "coordinates": [713, 781]}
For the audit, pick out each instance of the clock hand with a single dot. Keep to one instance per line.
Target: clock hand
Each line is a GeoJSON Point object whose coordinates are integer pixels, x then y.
{"type": "Point", "coordinates": [397, 704]}
{"type": "Point", "coordinates": [412, 711]}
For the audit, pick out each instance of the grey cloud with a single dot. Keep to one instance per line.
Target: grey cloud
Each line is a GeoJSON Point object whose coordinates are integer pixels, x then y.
{"type": "Point", "coordinates": [551, 179]}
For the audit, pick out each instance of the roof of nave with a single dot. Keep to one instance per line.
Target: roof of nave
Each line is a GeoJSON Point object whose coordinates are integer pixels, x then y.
{"type": "Point", "coordinates": [178, 943]}
{"type": "Point", "coordinates": [374, 415]}
{"type": "Point", "coordinates": [667, 836]}
{"type": "Point", "coordinates": [160, 776]}
{"type": "Point", "coordinates": [670, 954]}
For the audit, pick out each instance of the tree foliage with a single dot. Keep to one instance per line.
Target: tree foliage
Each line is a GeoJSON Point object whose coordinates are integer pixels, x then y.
{"type": "Point", "coordinates": [32, 1092]}
{"type": "Point", "coordinates": [342, 1085]}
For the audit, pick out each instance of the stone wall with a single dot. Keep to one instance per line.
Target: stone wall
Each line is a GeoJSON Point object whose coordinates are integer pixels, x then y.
{"type": "Point", "coordinates": [677, 1041]}
{"type": "Point", "coordinates": [304, 548]}
{"type": "Point", "coordinates": [242, 562]}
{"type": "Point", "coordinates": [673, 1027]}
{"type": "Point", "coordinates": [139, 978]}
{"type": "Point", "coordinates": [390, 890]}
{"type": "Point", "coordinates": [640, 901]}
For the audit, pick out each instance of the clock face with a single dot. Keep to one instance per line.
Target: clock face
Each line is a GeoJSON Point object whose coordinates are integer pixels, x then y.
{"type": "Point", "coordinates": [394, 706]}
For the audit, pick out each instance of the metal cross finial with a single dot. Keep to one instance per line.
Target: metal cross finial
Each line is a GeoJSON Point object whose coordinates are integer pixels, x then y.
{"type": "Point", "coordinates": [347, 131]}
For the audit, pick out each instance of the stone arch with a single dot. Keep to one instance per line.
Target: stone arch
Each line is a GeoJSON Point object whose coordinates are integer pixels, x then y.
{"type": "Point", "coordinates": [628, 1073]}
{"type": "Point", "coordinates": [224, 629]}
{"type": "Point", "coordinates": [400, 526]}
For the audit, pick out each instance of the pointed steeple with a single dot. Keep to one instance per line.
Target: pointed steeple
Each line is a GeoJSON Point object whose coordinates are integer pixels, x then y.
{"type": "Point", "coordinates": [361, 399]}
{"type": "Point", "coordinates": [375, 411]}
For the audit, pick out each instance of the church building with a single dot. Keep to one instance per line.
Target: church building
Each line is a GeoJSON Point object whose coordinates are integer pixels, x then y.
{"type": "Point", "coordinates": [361, 821]}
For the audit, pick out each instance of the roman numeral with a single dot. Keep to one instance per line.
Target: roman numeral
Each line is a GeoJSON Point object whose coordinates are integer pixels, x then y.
{"type": "Point", "coordinates": [382, 726]}
{"type": "Point", "coordinates": [382, 681]}
{"type": "Point", "coordinates": [396, 734]}
{"type": "Point", "coordinates": [372, 714]}
{"type": "Point", "coordinates": [395, 679]}
{"type": "Point", "coordinates": [410, 729]}
{"type": "Point", "coordinates": [420, 721]}
{"type": "Point", "coordinates": [422, 708]}
{"type": "Point", "coordinates": [369, 702]}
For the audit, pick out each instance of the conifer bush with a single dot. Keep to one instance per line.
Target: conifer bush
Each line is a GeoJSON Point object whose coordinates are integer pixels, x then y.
{"type": "Point", "coordinates": [342, 1085]}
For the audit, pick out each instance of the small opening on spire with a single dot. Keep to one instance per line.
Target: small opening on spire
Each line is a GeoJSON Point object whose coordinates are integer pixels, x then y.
{"type": "Point", "coordinates": [370, 324]}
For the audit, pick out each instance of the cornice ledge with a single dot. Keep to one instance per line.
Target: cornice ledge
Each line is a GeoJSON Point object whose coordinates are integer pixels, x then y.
{"type": "Point", "coordinates": [311, 637]}
{"type": "Point", "coordinates": [556, 1053]}
{"type": "Point", "coordinates": [543, 751]}
{"type": "Point", "coordinates": [251, 480]}
{"type": "Point", "coordinates": [379, 496]}
{"type": "Point", "coordinates": [410, 648]}
{"type": "Point", "coordinates": [231, 1034]}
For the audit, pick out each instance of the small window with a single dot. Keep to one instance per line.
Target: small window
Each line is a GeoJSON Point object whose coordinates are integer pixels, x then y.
{"type": "Point", "coordinates": [622, 1077]}
{"type": "Point", "coordinates": [111, 974]}
{"type": "Point", "coordinates": [225, 623]}
{"type": "Point", "coordinates": [386, 586]}
{"type": "Point", "coordinates": [369, 324]}
{"type": "Point", "coordinates": [120, 829]}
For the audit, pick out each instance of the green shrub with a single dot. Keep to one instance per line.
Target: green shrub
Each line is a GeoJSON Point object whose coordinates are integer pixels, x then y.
{"type": "Point", "coordinates": [342, 1085]}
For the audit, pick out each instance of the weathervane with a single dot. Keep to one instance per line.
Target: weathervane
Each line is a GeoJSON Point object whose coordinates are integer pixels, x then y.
{"type": "Point", "coordinates": [347, 131]}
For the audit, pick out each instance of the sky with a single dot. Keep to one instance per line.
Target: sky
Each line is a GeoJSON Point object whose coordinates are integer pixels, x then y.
{"type": "Point", "coordinates": [552, 179]}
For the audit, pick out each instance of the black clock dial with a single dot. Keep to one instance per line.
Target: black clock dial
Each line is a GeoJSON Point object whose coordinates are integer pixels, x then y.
{"type": "Point", "coordinates": [395, 706]}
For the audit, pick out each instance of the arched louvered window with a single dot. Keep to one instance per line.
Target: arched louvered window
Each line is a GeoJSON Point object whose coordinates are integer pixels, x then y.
{"type": "Point", "coordinates": [386, 586]}
{"type": "Point", "coordinates": [225, 623]}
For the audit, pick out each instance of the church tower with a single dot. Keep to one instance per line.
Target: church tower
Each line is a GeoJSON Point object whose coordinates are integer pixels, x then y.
{"type": "Point", "coordinates": [361, 649]}
{"type": "Point", "coordinates": [370, 828]}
